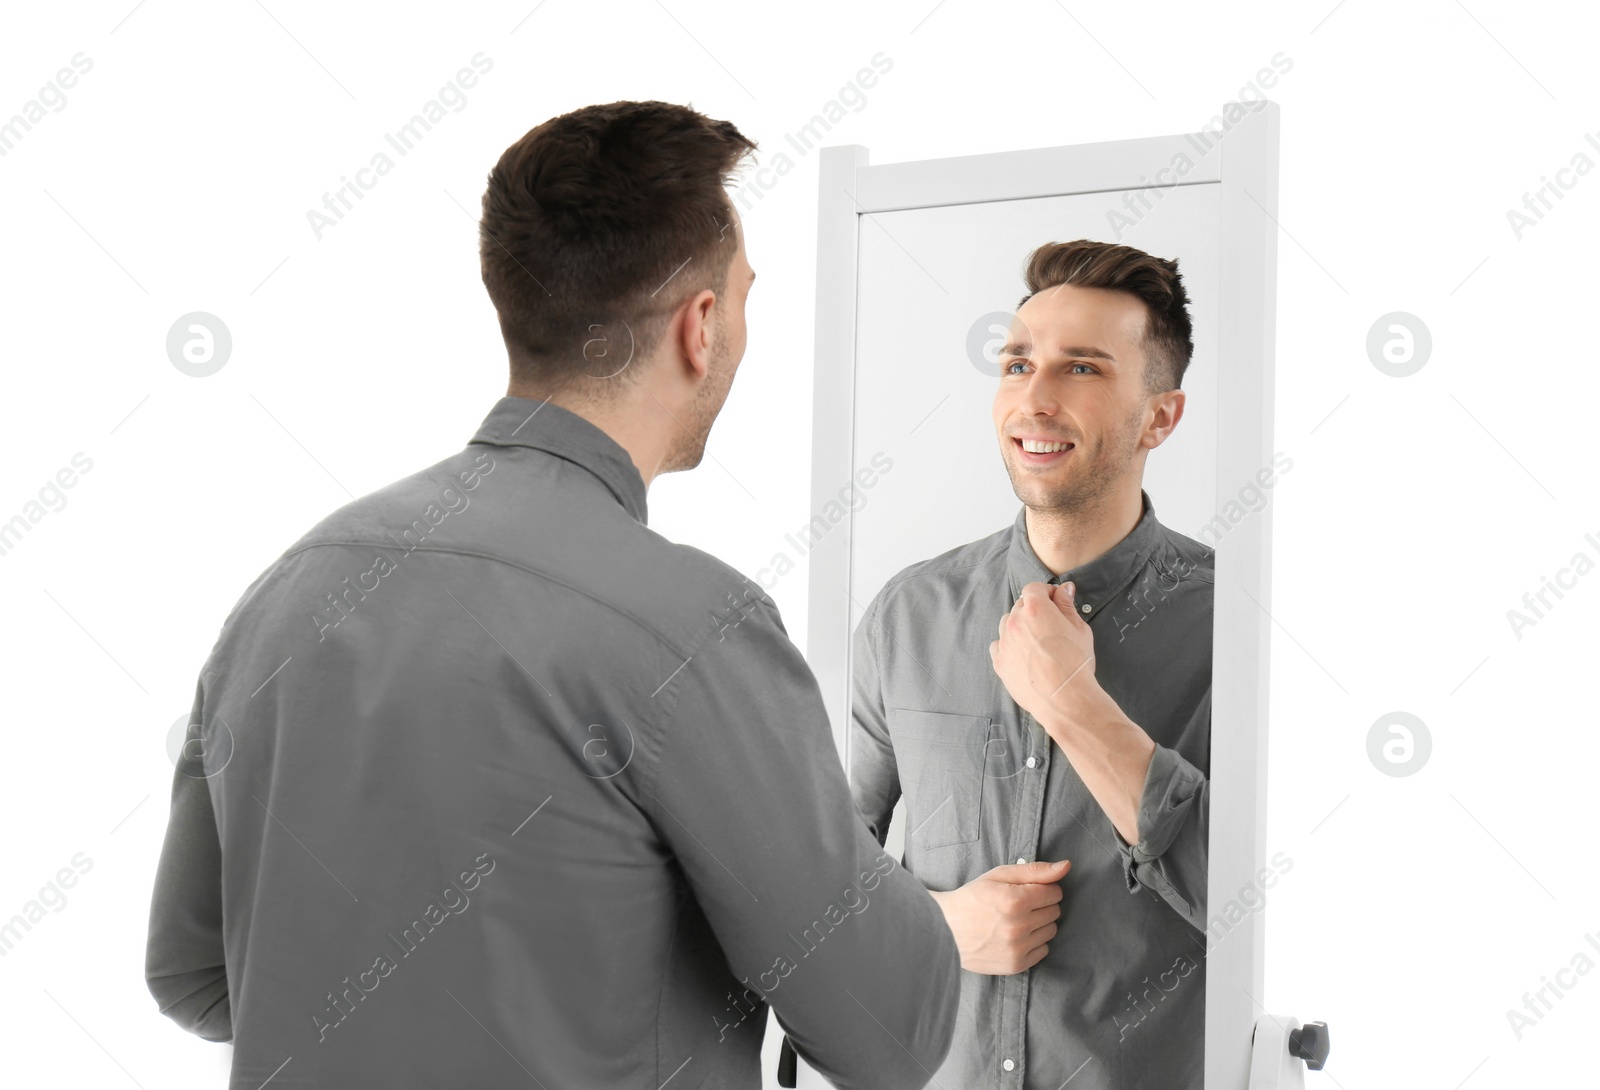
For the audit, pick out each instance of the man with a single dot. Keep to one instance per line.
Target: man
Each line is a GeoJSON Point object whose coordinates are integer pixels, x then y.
{"type": "Point", "coordinates": [489, 784]}
{"type": "Point", "coordinates": [1056, 778]}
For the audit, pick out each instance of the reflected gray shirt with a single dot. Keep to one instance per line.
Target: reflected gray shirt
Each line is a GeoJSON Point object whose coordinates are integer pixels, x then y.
{"type": "Point", "coordinates": [488, 784]}
{"type": "Point", "coordinates": [1119, 1000]}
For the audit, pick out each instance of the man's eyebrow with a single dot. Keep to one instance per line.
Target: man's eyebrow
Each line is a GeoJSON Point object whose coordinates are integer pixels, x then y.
{"type": "Point", "coordinates": [1021, 348]}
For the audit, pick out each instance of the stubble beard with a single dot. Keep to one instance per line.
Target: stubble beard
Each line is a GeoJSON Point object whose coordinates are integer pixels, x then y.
{"type": "Point", "coordinates": [1092, 483]}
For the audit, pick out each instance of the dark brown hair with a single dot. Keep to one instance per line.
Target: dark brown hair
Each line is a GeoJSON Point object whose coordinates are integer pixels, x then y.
{"type": "Point", "coordinates": [1168, 342]}
{"type": "Point", "coordinates": [597, 225]}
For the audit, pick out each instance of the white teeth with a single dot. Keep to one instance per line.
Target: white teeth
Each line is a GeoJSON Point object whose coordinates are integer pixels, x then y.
{"type": "Point", "coordinates": [1034, 446]}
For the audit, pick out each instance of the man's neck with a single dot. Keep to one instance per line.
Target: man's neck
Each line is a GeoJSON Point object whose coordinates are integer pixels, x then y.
{"type": "Point", "coordinates": [1064, 540]}
{"type": "Point", "coordinates": [644, 450]}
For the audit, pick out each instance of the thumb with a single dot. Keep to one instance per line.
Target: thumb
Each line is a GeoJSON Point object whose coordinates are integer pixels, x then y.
{"type": "Point", "coordinates": [1065, 596]}
{"type": "Point", "coordinates": [1040, 870]}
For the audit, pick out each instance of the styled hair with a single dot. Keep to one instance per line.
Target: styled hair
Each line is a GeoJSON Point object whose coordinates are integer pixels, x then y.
{"type": "Point", "coordinates": [1168, 336]}
{"type": "Point", "coordinates": [597, 225]}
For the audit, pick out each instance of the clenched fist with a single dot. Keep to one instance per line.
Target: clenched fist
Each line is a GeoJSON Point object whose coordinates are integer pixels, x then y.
{"type": "Point", "coordinates": [1004, 919]}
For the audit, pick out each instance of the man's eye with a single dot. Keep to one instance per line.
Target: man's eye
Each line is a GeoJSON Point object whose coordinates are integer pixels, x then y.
{"type": "Point", "coordinates": [1088, 365]}
{"type": "Point", "coordinates": [1007, 369]}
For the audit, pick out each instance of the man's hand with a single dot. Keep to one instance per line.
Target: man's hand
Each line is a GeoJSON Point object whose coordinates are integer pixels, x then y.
{"type": "Point", "coordinates": [1045, 654]}
{"type": "Point", "coordinates": [1004, 919]}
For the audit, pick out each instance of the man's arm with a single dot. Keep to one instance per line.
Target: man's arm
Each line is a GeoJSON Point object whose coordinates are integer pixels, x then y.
{"type": "Point", "coordinates": [1174, 835]}
{"type": "Point", "coordinates": [1158, 803]}
{"type": "Point", "coordinates": [848, 949]}
{"type": "Point", "coordinates": [184, 963]}
{"type": "Point", "coordinates": [874, 773]}
{"type": "Point", "coordinates": [1156, 800]}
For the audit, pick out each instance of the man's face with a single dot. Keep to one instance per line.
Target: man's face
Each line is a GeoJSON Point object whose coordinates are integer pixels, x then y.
{"type": "Point", "coordinates": [727, 349]}
{"type": "Point", "coordinates": [1073, 372]}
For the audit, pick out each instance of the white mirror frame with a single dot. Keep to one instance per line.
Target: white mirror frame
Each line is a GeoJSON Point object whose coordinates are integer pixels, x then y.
{"type": "Point", "coordinates": [1243, 161]}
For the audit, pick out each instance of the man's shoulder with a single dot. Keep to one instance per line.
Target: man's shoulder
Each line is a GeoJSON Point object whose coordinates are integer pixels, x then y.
{"type": "Point", "coordinates": [961, 558]}
{"type": "Point", "coordinates": [721, 593]}
{"type": "Point", "coordinates": [482, 505]}
{"type": "Point", "coordinates": [420, 502]}
{"type": "Point", "coordinates": [1186, 557]}
{"type": "Point", "coordinates": [954, 570]}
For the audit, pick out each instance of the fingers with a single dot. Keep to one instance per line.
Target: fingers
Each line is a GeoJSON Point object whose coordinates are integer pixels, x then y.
{"type": "Point", "coordinates": [1043, 894]}
{"type": "Point", "coordinates": [1042, 934]}
{"type": "Point", "coordinates": [1035, 591]}
{"type": "Point", "coordinates": [1044, 914]}
{"type": "Point", "coordinates": [1064, 596]}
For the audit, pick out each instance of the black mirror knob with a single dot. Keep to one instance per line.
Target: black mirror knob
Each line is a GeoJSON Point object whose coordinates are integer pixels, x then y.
{"type": "Point", "coordinates": [1310, 1043]}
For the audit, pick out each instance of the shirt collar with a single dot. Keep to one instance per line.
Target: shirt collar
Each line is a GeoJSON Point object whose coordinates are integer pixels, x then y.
{"type": "Point", "coordinates": [546, 426]}
{"type": "Point", "coordinates": [1099, 580]}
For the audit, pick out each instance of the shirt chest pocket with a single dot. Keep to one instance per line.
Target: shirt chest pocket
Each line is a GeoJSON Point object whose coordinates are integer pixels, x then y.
{"type": "Point", "coordinates": [941, 757]}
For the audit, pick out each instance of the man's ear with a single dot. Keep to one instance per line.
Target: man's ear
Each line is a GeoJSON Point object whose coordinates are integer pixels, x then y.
{"type": "Point", "coordinates": [694, 337]}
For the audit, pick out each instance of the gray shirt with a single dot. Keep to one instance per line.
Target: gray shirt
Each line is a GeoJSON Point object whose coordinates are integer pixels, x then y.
{"type": "Point", "coordinates": [489, 784]}
{"type": "Point", "coordinates": [1119, 1000]}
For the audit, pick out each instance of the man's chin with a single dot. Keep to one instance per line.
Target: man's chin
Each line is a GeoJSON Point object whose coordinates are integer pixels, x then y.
{"type": "Point", "coordinates": [1056, 495]}
{"type": "Point", "coordinates": [685, 458]}
{"type": "Point", "coordinates": [1028, 482]}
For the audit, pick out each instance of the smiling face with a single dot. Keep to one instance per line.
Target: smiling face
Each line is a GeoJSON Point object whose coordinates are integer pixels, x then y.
{"type": "Point", "coordinates": [1072, 376]}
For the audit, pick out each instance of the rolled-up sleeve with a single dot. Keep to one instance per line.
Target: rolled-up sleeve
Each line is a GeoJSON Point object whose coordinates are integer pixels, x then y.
{"type": "Point", "coordinates": [749, 794]}
{"type": "Point", "coordinates": [1174, 824]}
{"type": "Point", "coordinates": [185, 967]}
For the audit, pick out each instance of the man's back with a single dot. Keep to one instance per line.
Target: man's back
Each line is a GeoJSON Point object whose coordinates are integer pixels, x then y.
{"type": "Point", "coordinates": [507, 785]}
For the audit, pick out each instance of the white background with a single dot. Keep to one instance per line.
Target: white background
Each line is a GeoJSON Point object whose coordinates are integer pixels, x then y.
{"type": "Point", "coordinates": [1418, 512]}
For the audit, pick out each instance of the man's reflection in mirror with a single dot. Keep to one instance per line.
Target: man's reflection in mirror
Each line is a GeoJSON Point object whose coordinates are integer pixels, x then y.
{"type": "Point", "coordinates": [1041, 698]}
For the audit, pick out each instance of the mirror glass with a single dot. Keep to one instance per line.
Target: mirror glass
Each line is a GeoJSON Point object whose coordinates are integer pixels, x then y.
{"type": "Point", "coordinates": [1119, 999]}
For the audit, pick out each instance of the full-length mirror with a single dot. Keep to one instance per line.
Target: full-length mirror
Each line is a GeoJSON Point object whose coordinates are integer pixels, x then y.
{"type": "Point", "coordinates": [1054, 367]}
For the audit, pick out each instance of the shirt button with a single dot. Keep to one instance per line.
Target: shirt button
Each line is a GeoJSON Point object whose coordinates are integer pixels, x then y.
{"type": "Point", "coordinates": [1009, 1064]}
{"type": "Point", "coordinates": [1031, 761]}
{"type": "Point", "coordinates": [1086, 607]}
{"type": "Point", "coordinates": [1020, 860]}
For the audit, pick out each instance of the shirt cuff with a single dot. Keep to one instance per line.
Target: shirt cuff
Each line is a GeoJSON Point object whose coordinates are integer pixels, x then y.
{"type": "Point", "coordinates": [1171, 786]}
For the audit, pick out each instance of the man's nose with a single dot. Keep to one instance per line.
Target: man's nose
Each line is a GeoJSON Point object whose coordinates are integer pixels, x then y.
{"type": "Point", "coordinates": [1038, 397]}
